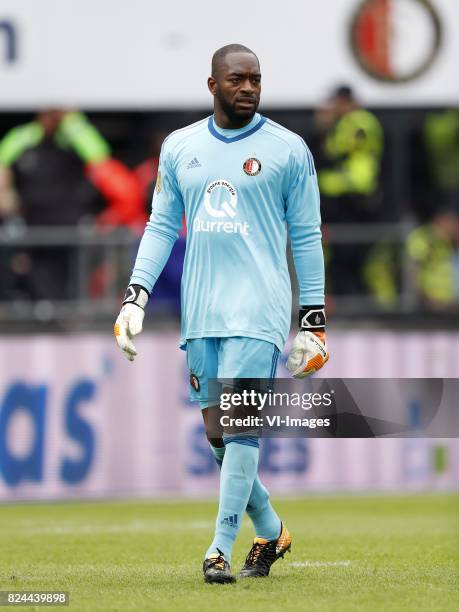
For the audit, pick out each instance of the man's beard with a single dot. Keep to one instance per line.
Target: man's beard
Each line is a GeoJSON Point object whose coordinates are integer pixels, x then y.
{"type": "Point", "coordinates": [236, 115]}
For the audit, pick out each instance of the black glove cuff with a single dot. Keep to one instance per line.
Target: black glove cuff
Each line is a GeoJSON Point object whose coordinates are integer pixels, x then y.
{"type": "Point", "coordinates": [136, 294]}
{"type": "Point", "coordinates": [312, 318]}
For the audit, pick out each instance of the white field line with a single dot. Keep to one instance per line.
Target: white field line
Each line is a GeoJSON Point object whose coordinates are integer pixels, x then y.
{"type": "Point", "coordinates": [132, 527]}
{"type": "Point", "coordinates": [320, 564]}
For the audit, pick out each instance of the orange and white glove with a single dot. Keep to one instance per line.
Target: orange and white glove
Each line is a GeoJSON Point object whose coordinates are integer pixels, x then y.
{"type": "Point", "coordinates": [309, 350]}
{"type": "Point", "coordinates": [130, 320]}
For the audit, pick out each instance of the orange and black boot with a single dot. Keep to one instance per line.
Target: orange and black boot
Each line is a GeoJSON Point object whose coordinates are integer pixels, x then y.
{"type": "Point", "coordinates": [217, 570]}
{"type": "Point", "coordinates": [264, 553]}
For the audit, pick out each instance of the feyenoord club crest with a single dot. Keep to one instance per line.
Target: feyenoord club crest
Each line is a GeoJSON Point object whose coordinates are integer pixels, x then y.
{"type": "Point", "coordinates": [395, 41]}
{"type": "Point", "coordinates": [194, 382]}
{"type": "Point", "coordinates": [252, 166]}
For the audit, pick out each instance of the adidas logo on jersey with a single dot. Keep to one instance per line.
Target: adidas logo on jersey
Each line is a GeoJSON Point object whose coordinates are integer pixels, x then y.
{"type": "Point", "coordinates": [194, 163]}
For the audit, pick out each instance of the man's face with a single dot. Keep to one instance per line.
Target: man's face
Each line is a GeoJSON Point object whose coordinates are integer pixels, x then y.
{"type": "Point", "coordinates": [237, 85]}
{"type": "Point", "coordinates": [341, 105]}
{"type": "Point", "coordinates": [448, 223]}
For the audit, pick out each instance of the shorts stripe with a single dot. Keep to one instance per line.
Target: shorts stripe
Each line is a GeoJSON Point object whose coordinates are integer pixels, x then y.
{"type": "Point", "coordinates": [274, 363]}
{"type": "Point", "coordinates": [244, 439]}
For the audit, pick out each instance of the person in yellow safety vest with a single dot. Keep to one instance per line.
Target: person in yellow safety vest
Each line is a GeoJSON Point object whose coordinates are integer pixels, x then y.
{"type": "Point", "coordinates": [349, 163]}
{"type": "Point", "coordinates": [353, 145]}
{"type": "Point", "coordinates": [441, 141]}
{"type": "Point", "coordinates": [432, 247]}
{"type": "Point", "coordinates": [382, 273]}
{"type": "Point", "coordinates": [433, 250]}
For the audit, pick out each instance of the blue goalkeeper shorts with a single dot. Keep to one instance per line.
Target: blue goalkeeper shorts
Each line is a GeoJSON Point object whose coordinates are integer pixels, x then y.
{"type": "Point", "coordinates": [227, 358]}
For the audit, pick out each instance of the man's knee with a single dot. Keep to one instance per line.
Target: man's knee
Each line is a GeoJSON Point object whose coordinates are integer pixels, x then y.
{"type": "Point", "coordinates": [215, 442]}
{"type": "Point", "coordinates": [214, 431]}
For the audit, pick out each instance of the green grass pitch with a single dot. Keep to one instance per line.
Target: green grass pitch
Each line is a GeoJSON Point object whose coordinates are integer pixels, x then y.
{"type": "Point", "coordinates": [349, 553]}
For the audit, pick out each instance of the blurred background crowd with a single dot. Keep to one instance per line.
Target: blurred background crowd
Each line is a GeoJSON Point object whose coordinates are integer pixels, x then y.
{"type": "Point", "coordinates": [76, 189]}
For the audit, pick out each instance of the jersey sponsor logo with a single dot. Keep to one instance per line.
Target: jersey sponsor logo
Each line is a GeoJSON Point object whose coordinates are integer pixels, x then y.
{"type": "Point", "coordinates": [395, 40]}
{"type": "Point", "coordinates": [220, 202]}
{"type": "Point", "coordinates": [225, 227]}
{"type": "Point", "coordinates": [159, 182]}
{"type": "Point", "coordinates": [229, 203]}
{"type": "Point", "coordinates": [252, 166]}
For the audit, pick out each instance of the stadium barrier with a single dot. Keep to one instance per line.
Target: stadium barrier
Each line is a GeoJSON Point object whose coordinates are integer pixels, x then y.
{"type": "Point", "coordinates": [100, 265]}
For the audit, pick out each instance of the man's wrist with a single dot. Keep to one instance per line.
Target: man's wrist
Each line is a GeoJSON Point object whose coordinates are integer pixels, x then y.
{"type": "Point", "coordinates": [312, 318]}
{"type": "Point", "coordinates": [136, 294]}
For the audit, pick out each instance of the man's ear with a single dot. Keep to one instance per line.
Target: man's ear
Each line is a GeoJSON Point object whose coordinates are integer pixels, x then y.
{"type": "Point", "coordinates": [212, 85]}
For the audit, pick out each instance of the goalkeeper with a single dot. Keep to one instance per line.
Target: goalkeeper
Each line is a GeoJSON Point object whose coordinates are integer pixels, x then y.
{"type": "Point", "coordinates": [240, 180]}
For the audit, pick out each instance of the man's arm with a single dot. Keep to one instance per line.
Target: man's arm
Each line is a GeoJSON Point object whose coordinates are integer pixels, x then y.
{"type": "Point", "coordinates": [161, 230]}
{"type": "Point", "coordinates": [309, 352]}
{"type": "Point", "coordinates": [159, 237]}
{"type": "Point", "coordinates": [119, 186]}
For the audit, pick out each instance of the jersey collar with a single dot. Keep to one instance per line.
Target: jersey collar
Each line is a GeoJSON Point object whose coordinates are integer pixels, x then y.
{"type": "Point", "coordinates": [239, 136]}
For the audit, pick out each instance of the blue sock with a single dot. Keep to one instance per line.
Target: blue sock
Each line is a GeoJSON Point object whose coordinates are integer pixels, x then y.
{"type": "Point", "coordinates": [238, 471]}
{"type": "Point", "coordinates": [264, 518]}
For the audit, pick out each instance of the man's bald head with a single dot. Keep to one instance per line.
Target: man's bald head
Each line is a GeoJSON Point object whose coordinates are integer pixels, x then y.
{"type": "Point", "coordinates": [235, 84]}
{"type": "Point", "coordinates": [219, 57]}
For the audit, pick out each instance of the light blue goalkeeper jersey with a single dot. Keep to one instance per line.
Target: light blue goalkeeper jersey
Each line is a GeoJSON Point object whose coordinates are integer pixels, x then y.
{"type": "Point", "coordinates": [240, 191]}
